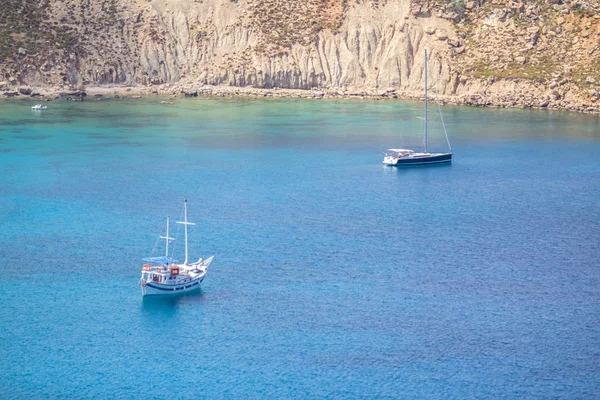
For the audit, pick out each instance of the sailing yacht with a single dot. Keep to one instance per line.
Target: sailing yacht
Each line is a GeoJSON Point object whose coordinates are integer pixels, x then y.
{"type": "Point", "coordinates": [164, 276]}
{"type": "Point", "coordinates": [407, 157]}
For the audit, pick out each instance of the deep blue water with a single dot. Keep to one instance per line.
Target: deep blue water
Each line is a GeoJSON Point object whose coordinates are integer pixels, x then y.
{"type": "Point", "coordinates": [334, 276]}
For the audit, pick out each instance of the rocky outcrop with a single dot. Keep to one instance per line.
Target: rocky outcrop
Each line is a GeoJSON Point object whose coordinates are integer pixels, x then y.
{"type": "Point", "coordinates": [481, 52]}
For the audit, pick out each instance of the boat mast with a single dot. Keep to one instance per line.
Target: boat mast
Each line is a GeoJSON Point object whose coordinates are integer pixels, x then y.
{"type": "Point", "coordinates": [185, 225]}
{"type": "Point", "coordinates": [426, 110]}
{"type": "Point", "coordinates": [167, 239]}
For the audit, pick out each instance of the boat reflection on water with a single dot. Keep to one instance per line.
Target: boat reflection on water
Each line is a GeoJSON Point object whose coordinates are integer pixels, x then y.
{"type": "Point", "coordinates": [165, 307]}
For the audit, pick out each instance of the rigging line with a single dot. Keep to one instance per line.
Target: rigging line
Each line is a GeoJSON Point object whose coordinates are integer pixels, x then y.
{"type": "Point", "coordinates": [165, 227]}
{"type": "Point", "coordinates": [444, 125]}
{"type": "Point", "coordinates": [176, 236]}
{"type": "Point", "coordinates": [155, 248]}
{"type": "Point", "coordinates": [175, 242]}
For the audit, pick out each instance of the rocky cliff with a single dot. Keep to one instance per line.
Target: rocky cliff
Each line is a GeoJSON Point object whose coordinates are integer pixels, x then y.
{"type": "Point", "coordinates": [532, 53]}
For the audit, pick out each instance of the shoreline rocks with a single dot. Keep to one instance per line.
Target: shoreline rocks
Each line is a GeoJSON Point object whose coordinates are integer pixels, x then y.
{"type": "Point", "coordinates": [492, 94]}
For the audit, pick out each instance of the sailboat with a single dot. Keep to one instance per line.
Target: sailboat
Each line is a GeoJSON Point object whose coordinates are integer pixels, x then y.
{"type": "Point", "coordinates": [406, 157]}
{"type": "Point", "coordinates": [164, 276]}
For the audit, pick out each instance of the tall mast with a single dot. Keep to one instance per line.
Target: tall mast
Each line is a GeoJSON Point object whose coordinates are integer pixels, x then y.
{"type": "Point", "coordinates": [185, 225]}
{"type": "Point", "coordinates": [426, 111]}
{"type": "Point", "coordinates": [167, 239]}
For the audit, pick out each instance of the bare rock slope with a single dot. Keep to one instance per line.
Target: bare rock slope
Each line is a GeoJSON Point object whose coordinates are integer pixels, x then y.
{"type": "Point", "coordinates": [528, 53]}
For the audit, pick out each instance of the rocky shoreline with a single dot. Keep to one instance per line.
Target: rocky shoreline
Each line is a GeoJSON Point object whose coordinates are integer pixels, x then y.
{"type": "Point", "coordinates": [488, 53]}
{"type": "Point", "coordinates": [172, 91]}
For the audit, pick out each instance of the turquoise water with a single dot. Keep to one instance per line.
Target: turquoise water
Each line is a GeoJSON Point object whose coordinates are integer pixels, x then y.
{"type": "Point", "coordinates": [334, 276]}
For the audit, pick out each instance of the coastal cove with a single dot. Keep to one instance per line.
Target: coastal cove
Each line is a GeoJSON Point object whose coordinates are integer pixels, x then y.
{"type": "Point", "coordinates": [334, 276]}
{"type": "Point", "coordinates": [534, 53]}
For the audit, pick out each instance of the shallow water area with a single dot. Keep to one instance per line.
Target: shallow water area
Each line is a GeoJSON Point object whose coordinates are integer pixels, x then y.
{"type": "Point", "coordinates": [334, 276]}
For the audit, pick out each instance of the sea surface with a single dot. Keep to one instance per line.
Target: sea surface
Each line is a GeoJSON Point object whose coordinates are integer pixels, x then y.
{"type": "Point", "coordinates": [334, 275]}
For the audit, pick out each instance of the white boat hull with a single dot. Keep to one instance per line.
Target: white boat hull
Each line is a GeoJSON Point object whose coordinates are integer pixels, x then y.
{"type": "Point", "coordinates": [166, 289]}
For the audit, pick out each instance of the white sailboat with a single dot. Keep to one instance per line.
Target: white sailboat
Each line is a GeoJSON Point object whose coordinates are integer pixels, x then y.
{"type": "Point", "coordinates": [407, 157]}
{"type": "Point", "coordinates": [164, 276]}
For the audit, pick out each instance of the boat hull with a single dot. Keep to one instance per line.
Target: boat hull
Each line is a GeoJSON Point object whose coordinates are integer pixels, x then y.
{"type": "Point", "coordinates": [158, 289]}
{"type": "Point", "coordinates": [439, 158]}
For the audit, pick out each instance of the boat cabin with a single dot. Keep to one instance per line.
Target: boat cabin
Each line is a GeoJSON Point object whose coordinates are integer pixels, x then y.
{"type": "Point", "coordinates": [160, 274]}
{"type": "Point", "coordinates": [399, 153]}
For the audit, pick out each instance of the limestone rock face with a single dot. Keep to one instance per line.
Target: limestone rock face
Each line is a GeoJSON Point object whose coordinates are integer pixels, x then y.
{"type": "Point", "coordinates": [214, 43]}
{"type": "Point", "coordinates": [339, 44]}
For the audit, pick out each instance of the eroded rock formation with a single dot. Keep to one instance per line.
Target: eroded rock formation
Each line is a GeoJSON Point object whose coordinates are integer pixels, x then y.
{"type": "Point", "coordinates": [533, 53]}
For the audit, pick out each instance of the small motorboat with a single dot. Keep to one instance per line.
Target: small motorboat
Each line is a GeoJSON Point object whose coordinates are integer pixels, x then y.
{"type": "Point", "coordinates": [39, 107]}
